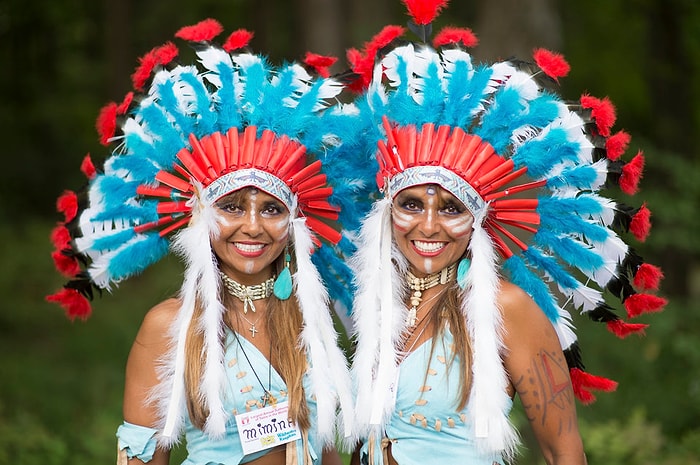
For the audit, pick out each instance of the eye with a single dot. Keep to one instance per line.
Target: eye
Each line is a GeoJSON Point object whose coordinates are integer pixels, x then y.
{"type": "Point", "coordinates": [453, 209]}
{"type": "Point", "coordinates": [230, 207]}
{"type": "Point", "coordinates": [412, 205]}
{"type": "Point", "coordinates": [272, 209]}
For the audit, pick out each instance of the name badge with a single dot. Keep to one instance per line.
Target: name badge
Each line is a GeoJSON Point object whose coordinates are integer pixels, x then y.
{"type": "Point", "coordinates": [266, 428]}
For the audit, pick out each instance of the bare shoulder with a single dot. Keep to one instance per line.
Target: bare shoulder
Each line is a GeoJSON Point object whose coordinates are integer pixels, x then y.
{"type": "Point", "coordinates": [157, 322]}
{"type": "Point", "coordinates": [520, 312]}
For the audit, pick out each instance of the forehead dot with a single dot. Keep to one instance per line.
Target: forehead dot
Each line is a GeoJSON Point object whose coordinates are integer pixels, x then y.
{"type": "Point", "coordinates": [430, 190]}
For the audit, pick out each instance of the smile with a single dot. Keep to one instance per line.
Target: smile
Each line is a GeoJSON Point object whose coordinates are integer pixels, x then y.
{"type": "Point", "coordinates": [432, 248]}
{"type": "Point", "coordinates": [248, 249]}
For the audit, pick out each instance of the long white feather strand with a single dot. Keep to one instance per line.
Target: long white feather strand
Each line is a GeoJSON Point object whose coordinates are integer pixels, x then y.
{"type": "Point", "coordinates": [488, 402]}
{"type": "Point", "coordinates": [329, 374]}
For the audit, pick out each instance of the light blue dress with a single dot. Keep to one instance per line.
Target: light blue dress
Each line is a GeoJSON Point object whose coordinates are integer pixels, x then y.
{"type": "Point", "coordinates": [244, 394]}
{"type": "Point", "coordinates": [425, 427]}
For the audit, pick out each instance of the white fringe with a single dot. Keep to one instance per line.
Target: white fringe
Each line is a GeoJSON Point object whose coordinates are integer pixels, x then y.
{"type": "Point", "coordinates": [489, 401]}
{"type": "Point", "coordinates": [329, 374]}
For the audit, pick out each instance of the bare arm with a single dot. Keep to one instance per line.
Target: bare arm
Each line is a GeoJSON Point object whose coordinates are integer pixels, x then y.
{"type": "Point", "coordinates": [331, 457]}
{"type": "Point", "coordinates": [538, 372]}
{"type": "Point", "coordinates": [141, 375]}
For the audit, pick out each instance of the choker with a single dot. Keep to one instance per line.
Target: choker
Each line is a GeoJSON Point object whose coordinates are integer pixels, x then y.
{"type": "Point", "coordinates": [418, 285]}
{"type": "Point", "coordinates": [247, 294]}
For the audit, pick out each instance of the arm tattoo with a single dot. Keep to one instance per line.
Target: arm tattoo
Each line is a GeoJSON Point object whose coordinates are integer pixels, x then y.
{"type": "Point", "coordinates": [545, 390]}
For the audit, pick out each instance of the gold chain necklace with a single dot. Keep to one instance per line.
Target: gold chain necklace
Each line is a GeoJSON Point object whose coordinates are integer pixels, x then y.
{"type": "Point", "coordinates": [247, 294]}
{"type": "Point", "coordinates": [418, 285]}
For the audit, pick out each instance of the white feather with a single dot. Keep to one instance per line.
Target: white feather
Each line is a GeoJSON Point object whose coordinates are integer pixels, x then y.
{"type": "Point", "coordinates": [489, 401]}
{"type": "Point", "coordinates": [328, 372]}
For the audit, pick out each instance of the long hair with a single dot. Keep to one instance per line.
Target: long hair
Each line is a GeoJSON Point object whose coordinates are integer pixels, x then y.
{"type": "Point", "coordinates": [447, 315]}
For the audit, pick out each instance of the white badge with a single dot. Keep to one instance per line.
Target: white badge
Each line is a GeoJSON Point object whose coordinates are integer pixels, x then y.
{"type": "Point", "coordinates": [266, 428]}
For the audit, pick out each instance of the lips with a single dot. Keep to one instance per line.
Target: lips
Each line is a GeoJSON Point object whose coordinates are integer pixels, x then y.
{"type": "Point", "coordinates": [428, 249]}
{"type": "Point", "coordinates": [248, 249]}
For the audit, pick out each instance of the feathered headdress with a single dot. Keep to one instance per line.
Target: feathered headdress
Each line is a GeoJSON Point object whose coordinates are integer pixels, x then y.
{"type": "Point", "coordinates": [189, 135]}
{"type": "Point", "coordinates": [529, 167]}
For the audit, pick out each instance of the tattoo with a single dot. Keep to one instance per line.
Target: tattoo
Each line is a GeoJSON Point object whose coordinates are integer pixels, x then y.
{"type": "Point", "coordinates": [545, 391]}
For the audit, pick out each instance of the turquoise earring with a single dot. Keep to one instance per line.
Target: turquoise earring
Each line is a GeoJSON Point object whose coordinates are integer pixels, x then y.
{"type": "Point", "coordinates": [462, 270]}
{"type": "Point", "coordinates": [283, 284]}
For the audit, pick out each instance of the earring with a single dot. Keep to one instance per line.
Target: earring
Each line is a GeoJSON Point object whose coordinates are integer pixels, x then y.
{"type": "Point", "coordinates": [462, 270]}
{"type": "Point", "coordinates": [283, 284]}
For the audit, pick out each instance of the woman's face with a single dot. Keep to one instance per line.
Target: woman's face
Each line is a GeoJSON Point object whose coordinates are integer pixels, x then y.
{"type": "Point", "coordinates": [254, 228]}
{"type": "Point", "coordinates": [431, 228]}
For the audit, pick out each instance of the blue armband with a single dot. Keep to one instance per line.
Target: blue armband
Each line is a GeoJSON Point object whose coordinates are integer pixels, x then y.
{"type": "Point", "coordinates": [137, 441]}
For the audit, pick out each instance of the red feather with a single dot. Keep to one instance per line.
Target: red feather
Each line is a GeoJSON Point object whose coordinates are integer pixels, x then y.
{"type": "Point", "coordinates": [87, 167]}
{"type": "Point", "coordinates": [67, 266]}
{"type": "Point", "coordinates": [617, 144]}
{"type": "Point", "coordinates": [455, 35]}
{"type": "Point", "coordinates": [641, 223]}
{"type": "Point", "coordinates": [583, 382]}
{"type": "Point", "coordinates": [157, 56]}
{"type": "Point", "coordinates": [648, 277]}
{"type": "Point", "coordinates": [67, 204]}
{"type": "Point", "coordinates": [60, 237]}
{"type": "Point", "coordinates": [320, 63]}
{"type": "Point", "coordinates": [363, 63]}
{"type": "Point", "coordinates": [622, 329]}
{"type": "Point", "coordinates": [631, 174]}
{"type": "Point", "coordinates": [552, 64]}
{"type": "Point", "coordinates": [637, 304]}
{"type": "Point", "coordinates": [203, 31]}
{"type": "Point", "coordinates": [124, 106]}
{"type": "Point", "coordinates": [107, 122]}
{"type": "Point", "coordinates": [424, 11]}
{"type": "Point", "coordinates": [602, 111]}
{"type": "Point", "coordinates": [74, 303]}
{"type": "Point", "coordinates": [237, 40]}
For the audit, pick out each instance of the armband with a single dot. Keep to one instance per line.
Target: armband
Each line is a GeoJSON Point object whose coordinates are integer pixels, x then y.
{"type": "Point", "coordinates": [137, 441]}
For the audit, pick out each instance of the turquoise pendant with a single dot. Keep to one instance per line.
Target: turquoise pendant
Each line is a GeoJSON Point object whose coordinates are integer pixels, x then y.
{"type": "Point", "coordinates": [283, 285]}
{"type": "Point", "coordinates": [462, 270]}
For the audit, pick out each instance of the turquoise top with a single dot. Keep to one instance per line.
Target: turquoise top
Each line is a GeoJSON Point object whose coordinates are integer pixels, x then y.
{"type": "Point", "coordinates": [243, 394]}
{"type": "Point", "coordinates": [425, 426]}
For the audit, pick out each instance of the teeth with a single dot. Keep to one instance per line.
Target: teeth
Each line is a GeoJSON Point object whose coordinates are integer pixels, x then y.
{"type": "Point", "coordinates": [428, 246]}
{"type": "Point", "coordinates": [249, 247]}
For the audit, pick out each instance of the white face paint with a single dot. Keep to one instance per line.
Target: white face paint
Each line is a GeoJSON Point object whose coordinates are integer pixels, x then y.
{"type": "Point", "coordinates": [431, 228]}
{"type": "Point", "coordinates": [254, 232]}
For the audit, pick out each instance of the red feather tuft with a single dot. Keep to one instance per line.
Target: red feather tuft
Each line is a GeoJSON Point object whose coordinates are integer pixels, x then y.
{"type": "Point", "coordinates": [648, 277]}
{"type": "Point", "coordinates": [424, 11]}
{"type": "Point", "coordinates": [60, 237]}
{"type": "Point", "coordinates": [124, 106]}
{"type": "Point", "coordinates": [107, 122]}
{"type": "Point", "coordinates": [637, 304]}
{"type": "Point", "coordinates": [363, 63]}
{"type": "Point", "coordinates": [320, 63]}
{"type": "Point", "coordinates": [67, 266]}
{"type": "Point", "coordinates": [87, 167]}
{"type": "Point", "coordinates": [631, 174]}
{"type": "Point", "coordinates": [617, 144]}
{"type": "Point", "coordinates": [583, 382]}
{"type": "Point", "coordinates": [203, 31]}
{"type": "Point", "coordinates": [641, 223]}
{"type": "Point", "coordinates": [74, 303]}
{"type": "Point", "coordinates": [552, 64]}
{"type": "Point", "coordinates": [237, 40]}
{"type": "Point", "coordinates": [622, 329]}
{"type": "Point", "coordinates": [67, 204]}
{"type": "Point", "coordinates": [157, 56]}
{"type": "Point", "coordinates": [455, 35]}
{"type": "Point", "coordinates": [602, 111]}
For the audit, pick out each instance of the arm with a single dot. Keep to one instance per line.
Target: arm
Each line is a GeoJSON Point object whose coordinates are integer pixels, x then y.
{"type": "Point", "coordinates": [141, 371]}
{"type": "Point", "coordinates": [331, 457]}
{"type": "Point", "coordinates": [538, 372]}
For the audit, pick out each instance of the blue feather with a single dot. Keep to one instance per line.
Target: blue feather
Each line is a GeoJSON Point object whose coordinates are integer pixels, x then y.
{"type": "Point", "coordinates": [548, 264]}
{"type": "Point", "coordinates": [203, 114]}
{"type": "Point", "coordinates": [169, 140]}
{"type": "Point", "coordinates": [572, 252]}
{"type": "Point", "coordinates": [533, 285]}
{"type": "Point", "coordinates": [133, 258]}
{"type": "Point", "coordinates": [580, 177]}
{"type": "Point", "coordinates": [228, 116]}
{"type": "Point", "coordinates": [540, 154]}
{"type": "Point", "coordinates": [465, 108]}
{"type": "Point", "coordinates": [171, 106]}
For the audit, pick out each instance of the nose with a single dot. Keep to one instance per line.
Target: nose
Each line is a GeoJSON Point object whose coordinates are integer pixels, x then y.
{"type": "Point", "coordinates": [430, 224]}
{"type": "Point", "coordinates": [251, 224]}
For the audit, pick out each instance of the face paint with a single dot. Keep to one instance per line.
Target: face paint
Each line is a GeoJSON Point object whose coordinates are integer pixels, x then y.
{"type": "Point", "coordinates": [431, 230]}
{"type": "Point", "coordinates": [254, 232]}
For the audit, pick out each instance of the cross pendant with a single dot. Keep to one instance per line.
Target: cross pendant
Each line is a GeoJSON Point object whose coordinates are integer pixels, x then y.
{"type": "Point", "coordinates": [268, 398]}
{"type": "Point", "coordinates": [253, 331]}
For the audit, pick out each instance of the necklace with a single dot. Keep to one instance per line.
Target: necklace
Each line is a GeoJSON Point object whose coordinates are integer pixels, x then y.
{"type": "Point", "coordinates": [247, 294]}
{"type": "Point", "coordinates": [267, 393]}
{"type": "Point", "coordinates": [252, 324]}
{"type": "Point", "coordinates": [418, 285]}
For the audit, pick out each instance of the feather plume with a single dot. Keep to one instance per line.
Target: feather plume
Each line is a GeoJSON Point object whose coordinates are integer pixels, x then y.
{"type": "Point", "coordinates": [74, 304]}
{"type": "Point", "coordinates": [583, 383]}
{"type": "Point", "coordinates": [640, 225]}
{"type": "Point", "coordinates": [203, 31]}
{"type": "Point", "coordinates": [237, 40]}
{"type": "Point", "coordinates": [623, 329]}
{"type": "Point", "coordinates": [648, 277]}
{"type": "Point", "coordinates": [552, 64]}
{"type": "Point", "coordinates": [424, 11]}
{"type": "Point", "coordinates": [637, 304]}
{"type": "Point", "coordinates": [67, 204]}
{"type": "Point", "coordinates": [616, 145]}
{"type": "Point", "coordinates": [631, 174]}
{"type": "Point", "coordinates": [320, 63]}
{"type": "Point", "coordinates": [88, 168]}
{"type": "Point", "coordinates": [455, 35]}
{"type": "Point", "coordinates": [106, 123]}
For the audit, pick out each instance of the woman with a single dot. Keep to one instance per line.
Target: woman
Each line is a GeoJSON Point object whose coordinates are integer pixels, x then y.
{"type": "Point", "coordinates": [243, 362]}
{"type": "Point", "coordinates": [475, 162]}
